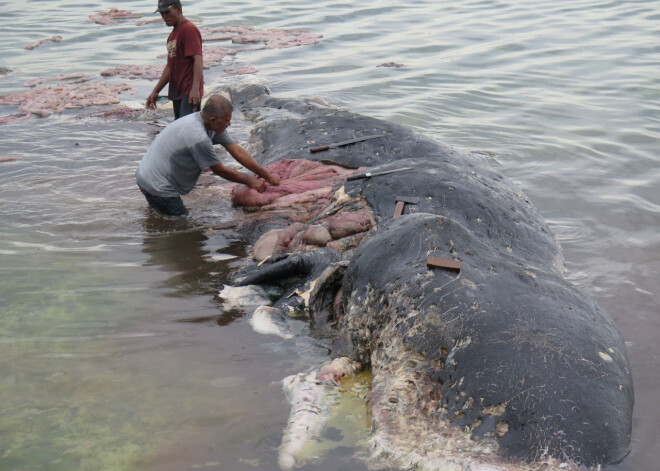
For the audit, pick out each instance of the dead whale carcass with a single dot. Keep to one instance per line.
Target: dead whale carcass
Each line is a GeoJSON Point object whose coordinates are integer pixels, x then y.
{"type": "Point", "coordinates": [506, 352]}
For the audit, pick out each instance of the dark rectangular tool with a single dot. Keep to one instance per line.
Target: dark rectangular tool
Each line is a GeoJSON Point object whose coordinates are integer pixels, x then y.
{"type": "Point", "coordinates": [401, 202]}
{"type": "Point", "coordinates": [434, 262]}
{"type": "Point", "coordinates": [344, 143]}
{"type": "Point", "coordinates": [370, 174]}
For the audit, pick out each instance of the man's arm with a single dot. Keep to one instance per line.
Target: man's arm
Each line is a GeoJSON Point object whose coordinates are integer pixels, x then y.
{"type": "Point", "coordinates": [245, 159]}
{"type": "Point", "coordinates": [238, 177]}
{"type": "Point", "coordinates": [164, 79]}
{"type": "Point", "coordinates": [198, 73]}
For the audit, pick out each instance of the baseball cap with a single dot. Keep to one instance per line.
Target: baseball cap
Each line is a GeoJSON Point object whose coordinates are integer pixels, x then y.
{"type": "Point", "coordinates": [166, 5]}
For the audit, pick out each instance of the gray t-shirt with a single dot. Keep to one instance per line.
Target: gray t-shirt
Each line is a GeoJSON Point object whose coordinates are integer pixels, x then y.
{"type": "Point", "coordinates": [178, 155]}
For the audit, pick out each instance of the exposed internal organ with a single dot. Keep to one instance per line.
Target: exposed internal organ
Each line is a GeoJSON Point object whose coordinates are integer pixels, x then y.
{"type": "Point", "coordinates": [311, 199]}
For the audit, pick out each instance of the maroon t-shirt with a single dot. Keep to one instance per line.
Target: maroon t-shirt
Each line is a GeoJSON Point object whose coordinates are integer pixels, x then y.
{"type": "Point", "coordinates": [184, 42]}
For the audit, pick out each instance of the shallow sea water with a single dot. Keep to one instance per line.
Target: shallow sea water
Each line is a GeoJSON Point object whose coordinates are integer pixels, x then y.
{"type": "Point", "coordinates": [116, 352]}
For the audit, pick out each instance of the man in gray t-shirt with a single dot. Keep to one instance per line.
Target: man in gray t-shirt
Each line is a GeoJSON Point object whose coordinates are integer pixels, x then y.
{"type": "Point", "coordinates": [176, 158]}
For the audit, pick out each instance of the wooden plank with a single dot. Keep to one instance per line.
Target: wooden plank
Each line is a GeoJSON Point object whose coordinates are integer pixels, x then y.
{"type": "Point", "coordinates": [435, 262]}
{"type": "Point", "coordinates": [398, 209]}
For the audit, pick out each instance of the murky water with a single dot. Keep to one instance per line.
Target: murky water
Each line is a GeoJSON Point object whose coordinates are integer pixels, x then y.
{"type": "Point", "coordinates": [115, 351]}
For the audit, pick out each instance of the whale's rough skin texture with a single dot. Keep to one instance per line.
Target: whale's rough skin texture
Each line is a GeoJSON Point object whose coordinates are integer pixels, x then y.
{"type": "Point", "coordinates": [503, 349]}
{"type": "Point", "coordinates": [506, 350]}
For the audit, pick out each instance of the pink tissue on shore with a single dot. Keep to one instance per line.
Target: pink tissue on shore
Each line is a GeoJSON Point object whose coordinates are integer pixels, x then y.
{"type": "Point", "coordinates": [146, 22]}
{"type": "Point", "coordinates": [273, 38]}
{"type": "Point", "coordinates": [214, 55]}
{"type": "Point", "coordinates": [239, 70]}
{"type": "Point", "coordinates": [38, 43]}
{"type": "Point", "coordinates": [108, 17]}
{"type": "Point", "coordinates": [149, 72]}
{"type": "Point", "coordinates": [43, 101]}
{"type": "Point", "coordinates": [69, 78]}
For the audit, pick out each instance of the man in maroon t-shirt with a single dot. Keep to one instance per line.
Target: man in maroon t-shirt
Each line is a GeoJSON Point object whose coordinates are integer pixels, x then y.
{"type": "Point", "coordinates": [184, 69]}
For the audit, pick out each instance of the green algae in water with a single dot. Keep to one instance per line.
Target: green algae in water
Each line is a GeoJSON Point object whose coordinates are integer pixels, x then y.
{"type": "Point", "coordinates": [70, 399]}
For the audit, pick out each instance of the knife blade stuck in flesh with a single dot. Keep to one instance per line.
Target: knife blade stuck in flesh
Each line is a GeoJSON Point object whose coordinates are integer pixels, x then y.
{"type": "Point", "coordinates": [344, 143]}
{"type": "Point", "coordinates": [369, 174]}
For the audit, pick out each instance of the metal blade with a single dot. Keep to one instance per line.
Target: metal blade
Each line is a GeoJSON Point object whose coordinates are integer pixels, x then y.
{"type": "Point", "coordinates": [369, 174]}
{"type": "Point", "coordinates": [385, 172]}
{"type": "Point", "coordinates": [355, 140]}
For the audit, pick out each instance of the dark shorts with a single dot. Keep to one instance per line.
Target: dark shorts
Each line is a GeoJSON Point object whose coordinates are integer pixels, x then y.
{"type": "Point", "coordinates": [182, 108]}
{"type": "Point", "coordinates": [171, 206]}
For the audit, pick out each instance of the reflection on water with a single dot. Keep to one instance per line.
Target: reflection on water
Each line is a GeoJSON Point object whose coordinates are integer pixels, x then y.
{"type": "Point", "coordinates": [182, 248]}
{"type": "Point", "coordinates": [197, 258]}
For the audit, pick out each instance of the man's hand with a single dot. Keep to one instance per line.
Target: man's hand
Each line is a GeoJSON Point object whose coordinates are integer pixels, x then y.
{"type": "Point", "coordinates": [194, 99]}
{"type": "Point", "coordinates": [151, 101]}
{"type": "Point", "coordinates": [273, 179]}
{"type": "Point", "coordinates": [257, 184]}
